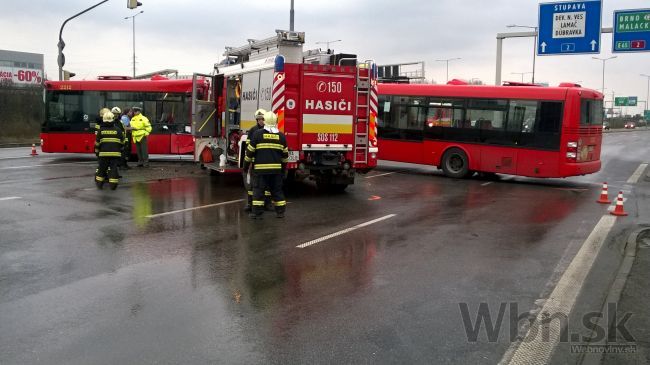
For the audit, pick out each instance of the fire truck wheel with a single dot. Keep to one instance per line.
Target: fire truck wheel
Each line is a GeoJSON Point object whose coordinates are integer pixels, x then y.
{"type": "Point", "coordinates": [455, 163]}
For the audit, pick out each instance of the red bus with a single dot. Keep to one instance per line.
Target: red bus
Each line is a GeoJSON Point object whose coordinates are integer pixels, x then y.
{"type": "Point", "coordinates": [72, 107]}
{"type": "Point", "coordinates": [518, 129]}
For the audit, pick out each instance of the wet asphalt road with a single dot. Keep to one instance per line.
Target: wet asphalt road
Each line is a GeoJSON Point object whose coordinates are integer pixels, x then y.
{"type": "Point", "coordinates": [87, 277]}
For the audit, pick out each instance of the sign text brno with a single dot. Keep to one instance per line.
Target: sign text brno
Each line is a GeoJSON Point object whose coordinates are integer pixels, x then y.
{"type": "Point", "coordinates": [631, 31]}
{"type": "Point", "coordinates": [569, 28]}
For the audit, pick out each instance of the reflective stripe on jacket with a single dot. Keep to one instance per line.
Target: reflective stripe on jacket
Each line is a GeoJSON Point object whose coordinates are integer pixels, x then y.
{"type": "Point", "coordinates": [267, 152]}
{"type": "Point", "coordinates": [109, 140]}
{"type": "Point", "coordinates": [141, 127]}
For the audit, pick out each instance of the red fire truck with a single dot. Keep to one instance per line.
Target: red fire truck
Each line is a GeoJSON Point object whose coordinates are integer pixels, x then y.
{"type": "Point", "coordinates": [326, 106]}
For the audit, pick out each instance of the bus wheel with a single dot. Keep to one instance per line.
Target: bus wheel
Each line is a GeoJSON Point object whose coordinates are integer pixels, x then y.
{"type": "Point", "coordinates": [455, 163]}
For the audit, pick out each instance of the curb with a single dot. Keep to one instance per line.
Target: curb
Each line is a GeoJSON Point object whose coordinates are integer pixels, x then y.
{"type": "Point", "coordinates": [13, 145]}
{"type": "Point", "coordinates": [616, 289]}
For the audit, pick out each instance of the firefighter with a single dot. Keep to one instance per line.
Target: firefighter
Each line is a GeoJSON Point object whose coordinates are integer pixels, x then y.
{"type": "Point", "coordinates": [109, 140]}
{"type": "Point", "coordinates": [117, 112]}
{"type": "Point", "coordinates": [268, 154]}
{"type": "Point", "coordinates": [140, 129]}
{"type": "Point", "coordinates": [248, 178]}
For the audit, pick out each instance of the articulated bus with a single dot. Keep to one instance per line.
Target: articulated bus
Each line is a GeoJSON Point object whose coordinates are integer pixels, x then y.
{"type": "Point", "coordinates": [72, 108]}
{"type": "Point", "coordinates": [515, 129]}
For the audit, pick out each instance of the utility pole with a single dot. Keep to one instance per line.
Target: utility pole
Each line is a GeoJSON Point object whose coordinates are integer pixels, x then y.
{"type": "Point", "coordinates": [291, 17]}
{"type": "Point", "coordinates": [132, 17]}
{"type": "Point", "coordinates": [604, 60]}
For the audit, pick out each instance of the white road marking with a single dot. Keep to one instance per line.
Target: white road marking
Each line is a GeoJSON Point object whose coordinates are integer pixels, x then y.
{"type": "Point", "coordinates": [637, 174]}
{"type": "Point", "coordinates": [344, 231]}
{"type": "Point", "coordinates": [46, 165]}
{"type": "Point", "coordinates": [378, 175]}
{"type": "Point", "coordinates": [538, 350]}
{"type": "Point", "coordinates": [10, 198]}
{"type": "Point", "coordinates": [487, 183]}
{"type": "Point", "coordinates": [195, 208]}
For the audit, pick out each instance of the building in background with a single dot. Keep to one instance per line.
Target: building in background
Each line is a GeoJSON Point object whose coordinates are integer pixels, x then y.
{"type": "Point", "coordinates": [21, 68]}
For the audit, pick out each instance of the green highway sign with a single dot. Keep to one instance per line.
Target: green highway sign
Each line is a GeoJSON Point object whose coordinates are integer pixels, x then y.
{"type": "Point", "coordinates": [646, 114]}
{"type": "Point", "coordinates": [631, 30]}
{"type": "Point", "coordinates": [625, 101]}
{"type": "Point", "coordinates": [620, 101]}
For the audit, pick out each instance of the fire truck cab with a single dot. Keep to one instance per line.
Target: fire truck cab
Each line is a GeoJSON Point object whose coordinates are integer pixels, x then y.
{"type": "Point", "coordinates": [326, 106]}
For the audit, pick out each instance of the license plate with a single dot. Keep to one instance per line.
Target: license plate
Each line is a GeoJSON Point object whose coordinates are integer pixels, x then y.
{"type": "Point", "coordinates": [294, 156]}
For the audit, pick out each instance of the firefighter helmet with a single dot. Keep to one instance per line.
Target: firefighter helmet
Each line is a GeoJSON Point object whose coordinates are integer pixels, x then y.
{"type": "Point", "coordinates": [116, 110]}
{"type": "Point", "coordinates": [259, 113]}
{"type": "Point", "coordinates": [108, 117]}
{"type": "Point", "coordinates": [102, 111]}
{"type": "Point", "coordinates": [270, 119]}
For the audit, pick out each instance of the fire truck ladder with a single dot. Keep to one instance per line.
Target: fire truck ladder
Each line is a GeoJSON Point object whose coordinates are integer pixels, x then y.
{"type": "Point", "coordinates": [363, 114]}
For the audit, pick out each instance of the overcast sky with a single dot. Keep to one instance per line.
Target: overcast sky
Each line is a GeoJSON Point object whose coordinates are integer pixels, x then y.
{"type": "Point", "coordinates": [190, 35]}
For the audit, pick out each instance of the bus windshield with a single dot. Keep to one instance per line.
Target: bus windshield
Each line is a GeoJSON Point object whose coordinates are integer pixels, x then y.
{"type": "Point", "coordinates": [78, 110]}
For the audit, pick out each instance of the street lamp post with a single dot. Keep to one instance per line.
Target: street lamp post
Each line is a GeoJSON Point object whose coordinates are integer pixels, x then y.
{"type": "Point", "coordinates": [522, 75]}
{"type": "Point", "coordinates": [132, 17]}
{"type": "Point", "coordinates": [61, 44]}
{"type": "Point", "coordinates": [446, 60]}
{"type": "Point", "coordinates": [328, 43]}
{"type": "Point", "coordinates": [604, 60]}
{"type": "Point", "coordinates": [647, 96]}
{"type": "Point", "coordinates": [534, 45]}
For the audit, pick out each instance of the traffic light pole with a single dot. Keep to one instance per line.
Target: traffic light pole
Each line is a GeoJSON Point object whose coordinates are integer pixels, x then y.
{"type": "Point", "coordinates": [61, 44]}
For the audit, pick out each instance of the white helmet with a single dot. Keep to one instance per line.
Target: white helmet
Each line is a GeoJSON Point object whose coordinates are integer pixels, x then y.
{"type": "Point", "coordinates": [270, 119]}
{"type": "Point", "coordinates": [108, 117]}
{"type": "Point", "coordinates": [259, 113]}
{"type": "Point", "coordinates": [116, 110]}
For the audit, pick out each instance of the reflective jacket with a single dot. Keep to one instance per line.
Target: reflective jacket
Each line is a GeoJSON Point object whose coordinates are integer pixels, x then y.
{"type": "Point", "coordinates": [109, 139]}
{"type": "Point", "coordinates": [267, 152]}
{"type": "Point", "coordinates": [141, 127]}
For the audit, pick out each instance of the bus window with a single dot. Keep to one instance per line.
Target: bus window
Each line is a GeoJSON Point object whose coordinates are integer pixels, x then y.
{"type": "Point", "coordinates": [591, 112]}
{"type": "Point", "coordinates": [522, 115]}
{"type": "Point", "coordinates": [549, 121]}
{"type": "Point", "coordinates": [489, 116]}
{"type": "Point", "coordinates": [405, 119]}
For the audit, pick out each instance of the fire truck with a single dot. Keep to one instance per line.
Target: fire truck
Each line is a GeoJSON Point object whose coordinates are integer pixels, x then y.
{"type": "Point", "coordinates": [326, 105]}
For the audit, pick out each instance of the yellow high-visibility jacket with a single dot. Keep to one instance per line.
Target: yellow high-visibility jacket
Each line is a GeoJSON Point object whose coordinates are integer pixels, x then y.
{"type": "Point", "coordinates": [141, 127]}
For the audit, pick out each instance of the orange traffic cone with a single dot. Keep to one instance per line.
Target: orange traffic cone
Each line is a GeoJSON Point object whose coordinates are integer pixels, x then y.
{"type": "Point", "coordinates": [619, 206]}
{"type": "Point", "coordinates": [604, 199]}
{"type": "Point", "coordinates": [34, 150]}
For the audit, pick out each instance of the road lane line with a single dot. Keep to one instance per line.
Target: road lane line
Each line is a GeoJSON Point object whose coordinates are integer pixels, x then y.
{"type": "Point", "coordinates": [46, 165]}
{"type": "Point", "coordinates": [378, 175]}
{"type": "Point", "coordinates": [487, 183]}
{"type": "Point", "coordinates": [637, 174]}
{"type": "Point", "coordinates": [344, 231]}
{"type": "Point", "coordinates": [194, 208]}
{"type": "Point", "coordinates": [10, 198]}
{"type": "Point", "coordinates": [538, 350]}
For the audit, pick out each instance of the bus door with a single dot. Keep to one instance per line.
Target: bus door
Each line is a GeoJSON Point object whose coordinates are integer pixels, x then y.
{"type": "Point", "coordinates": [490, 118]}
{"type": "Point", "coordinates": [205, 122]}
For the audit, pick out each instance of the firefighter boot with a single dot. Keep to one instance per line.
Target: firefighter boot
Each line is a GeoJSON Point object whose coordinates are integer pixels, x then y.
{"type": "Point", "coordinates": [279, 211]}
{"type": "Point", "coordinates": [99, 182]}
{"type": "Point", "coordinates": [249, 203]}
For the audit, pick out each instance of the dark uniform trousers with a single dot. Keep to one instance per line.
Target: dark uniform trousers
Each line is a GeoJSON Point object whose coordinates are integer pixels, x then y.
{"type": "Point", "coordinates": [109, 142]}
{"type": "Point", "coordinates": [268, 154]}
{"type": "Point", "coordinates": [271, 183]}
{"type": "Point", "coordinates": [249, 185]}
